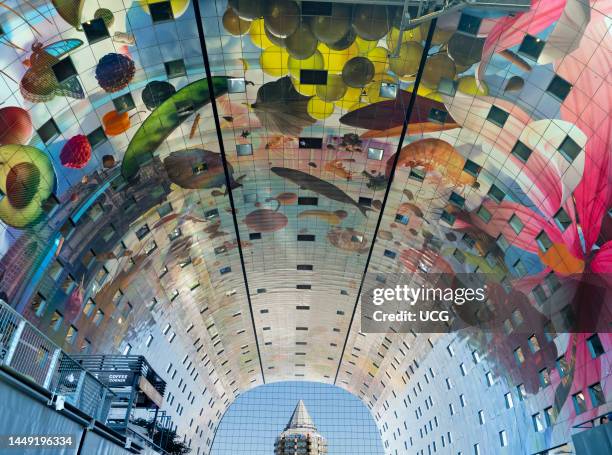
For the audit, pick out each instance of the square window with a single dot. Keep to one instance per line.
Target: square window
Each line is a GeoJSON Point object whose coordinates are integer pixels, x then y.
{"type": "Point", "coordinates": [236, 85]}
{"type": "Point", "coordinates": [150, 247]}
{"type": "Point", "coordinates": [539, 294]}
{"type": "Point", "coordinates": [543, 241]}
{"type": "Point", "coordinates": [417, 174]}
{"type": "Point", "coordinates": [448, 217]}
{"type": "Point", "coordinates": [469, 24]}
{"type": "Point", "coordinates": [124, 103]}
{"type": "Point", "coordinates": [175, 234]}
{"type": "Point", "coordinates": [559, 88]}
{"type": "Point", "coordinates": [521, 151]}
{"type": "Point", "coordinates": [484, 214]}
{"type": "Point", "coordinates": [595, 347]}
{"type": "Point", "coordinates": [531, 47]}
{"type": "Point", "coordinates": [457, 200]}
{"type": "Point", "coordinates": [437, 115]}
{"type": "Point", "coordinates": [496, 194]}
{"type": "Point", "coordinates": [402, 219]}
{"type": "Point", "coordinates": [375, 154]}
{"type": "Point", "coordinates": [143, 231]}
{"type": "Point", "coordinates": [497, 116]}
{"type": "Point", "coordinates": [254, 235]}
{"type": "Point", "coordinates": [174, 68]}
{"type": "Point", "coordinates": [48, 131]}
{"type": "Point", "coordinates": [96, 137]}
{"type": "Point", "coordinates": [390, 254]}
{"type": "Point", "coordinates": [516, 224]}
{"type": "Point", "coordinates": [244, 149]}
{"type": "Point", "coordinates": [472, 168]}
{"type": "Point", "coordinates": [161, 11]}
{"type": "Point", "coordinates": [569, 149]}
{"type": "Point", "coordinates": [544, 376]}
{"type": "Point", "coordinates": [562, 219]}
{"type": "Point", "coordinates": [388, 90]}
{"type": "Point", "coordinates": [95, 30]}
{"type": "Point", "coordinates": [447, 87]}
{"type": "Point", "coordinates": [64, 70]}
{"type": "Point", "coordinates": [313, 77]}
{"type": "Point", "coordinates": [579, 402]}
{"type": "Point", "coordinates": [597, 396]}
{"type": "Point", "coordinates": [459, 256]}
{"type": "Point", "coordinates": [310, 143]}
{"type": "Point", "coordinates": [365, 201]}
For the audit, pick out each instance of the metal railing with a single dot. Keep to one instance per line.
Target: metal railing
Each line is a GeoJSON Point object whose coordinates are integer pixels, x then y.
{"type": "Point", "coordinates": [27, 351]}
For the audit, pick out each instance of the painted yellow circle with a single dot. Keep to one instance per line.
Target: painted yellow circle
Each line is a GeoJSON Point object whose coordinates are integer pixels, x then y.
{"type": "Point", "coordinates": [273, 61]}
{"type": "Point", "coordinates": [334, 61]}
{"type": "Point", "coordinates": [258, 34]}
{"type": "Point", "coordinates": [319, 109]}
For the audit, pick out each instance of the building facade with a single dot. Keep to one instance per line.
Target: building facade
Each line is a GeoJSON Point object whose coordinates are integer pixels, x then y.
{"type": "Point", "coordinates": [300, 436]}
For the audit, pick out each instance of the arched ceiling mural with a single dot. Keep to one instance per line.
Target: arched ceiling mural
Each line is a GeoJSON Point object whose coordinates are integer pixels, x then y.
{"type": "Point", "coordinates": [226, 205]}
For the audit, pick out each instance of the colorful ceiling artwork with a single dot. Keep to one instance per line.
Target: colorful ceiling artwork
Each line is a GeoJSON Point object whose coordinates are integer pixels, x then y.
{"type": "Point", "coordinates": [222, 177]}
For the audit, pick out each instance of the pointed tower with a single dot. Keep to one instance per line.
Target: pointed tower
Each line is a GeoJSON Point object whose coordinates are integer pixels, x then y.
{"type": "Point", "coordinates": [300, 436]}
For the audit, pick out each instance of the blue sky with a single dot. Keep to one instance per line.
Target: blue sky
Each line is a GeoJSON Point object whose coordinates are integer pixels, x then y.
{"type": "Point", "coordinates": [255, 419]}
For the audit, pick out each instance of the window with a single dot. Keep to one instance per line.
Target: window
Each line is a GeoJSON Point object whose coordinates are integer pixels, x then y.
{"type": "Point", "coordinates": [484, 214]}
{"type": "Point", "coordinates": [562, 219]}
{"type": "Point", "coordinates": [149, 340]}
{"type": "Point", "coordinates": [71, 335]}
{"type": "Point", "coordinates": [569, 149]}
{"type": "Point", "coordinates": [161, 11]}
{"type": "Point", "coordinates": [313, 77]}
{"type": "Point", "coordinates": [562, 366]}
{"type": "Point", "coordinates": [476, 356]}
{"type": "Point", "coordinates": [48, 131]}
{"type": "Point", "coordinates": [481, 417]}
{"type": "Point", "coordinates": [516, 224]}
{"type": "Point", "coordinates": [124, 103]}
{"type": "Point", "coordinates": [550, 416]}
{"type": "Point", "coordinates": [254, 235]}
{"type": "Point", "coordinates": [437, 115]}
{"type": "Point", "coordinates": [508, 400]}
{"type": "Point", "coordinates": [463, 369]}
{"type": "Point", "coordinates": [39, 304]}
{"type": "Point", "coordinates": [471, 168]}
{"type": "Point", "coordinates": [99, 317]}
{"type": "Point", "coordinates": [95, 30]}
{"type": "Point", "coordinates": [306, 238]}
{"type": "Point", "coordinates": [521, 151]}
{"type": "Point", "coordinates": [531, 47]}
{"type": "Point", "coordinates": [417, 174]}
{"type": "Point", "coordinates": [402, 219]}
{"type": "Point", "coordinates": [375, 154]}
{"type": "Point", "coordinates": [579, 402]}
{"type": "Point", "coordinates": [469, 24]}
{"type": "Point", "coordinates": [64, 70]}
{"type": "Point", "coordinates": [310, 143]}
{"type": "Point", "coordinates": [502, 243]}
{"type": "Point", "coordinates": [597, 395]}
{"type": "Point", "coordinates": [388, 90]}
{"type": "Point", "coordinates": [539, 294]}
{"type": "Point", "coordinates": [244, 149]}
{"type": "Point", "coordinates": [496, 194]}
{"type": "Point", "coordinates": [476, 449]}
{"type": "Point", "coordinates": [447, 217]}
{"type": "Point", "coordinates": [519, 356]}
{"type": "Point", "coordinates": [534, 345]}
{"type": "Point", "coordinates": [96, 137]}
{"type": "Point", "coordinates": [538, 424]}
{"type": "Point", "coordinates": [559, 88]}
{"type": "Point", "coordinates": [462, 400]}
{"type": "Point", "coordinates": [595, 347]}
{"type": "Point", "coordinates": [56, 321]}
{"type": "Point", "coordinates": [489, 377]}
{"type": "Point", "coordinates": [236, 85]}
{"type": "Point", "coordinates": [175, 68]}
{"type": "Point", "coordinates": [303, 286]}
{"type": "Point", "coordinates": [89, 307]}
{"type": "Point", "coordinates": [305, 267]}
{"type": "Point", "coordinates": [174, 234]}
{"type": "Point", "coordinates": [450, 350]}
{"type": "Point", "coordinates": [308, 201]}
{"type": "Point", "coordinates": [497, 116]}
{"type": "Point", "coordinates": [127, 349]}
{"type": "Point", "coordinates": [544, 376]}
{"type": "Point", "coordinates": [456, 199]}
{"type": "Point", "coordinates": [522, 392]}
{"type": "Point", "coordinates": [142, 231]}
{"type": "Point", "coordinates": [390, 254]}
{"type": "Point", "coordinates": [503, 438]}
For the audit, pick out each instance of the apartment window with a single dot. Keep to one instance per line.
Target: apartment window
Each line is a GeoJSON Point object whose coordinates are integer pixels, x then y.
{"type": "Point", "coordinates": [39, 304]}
{"type": "Point", "coordinates": [476, 356]}
{"type": "Point", "coordinates": [471, 168]}
{"type": "Point", "coordinates": [417, 174]}
{"type": "Point", "coordinates": [447, 217]}
{"type": "Point", "coordinates": [64, 70]}
{"type": "Point", "coordinates": [456, 199]}
{"type": "Point", "coordinates": [502, 243]}
{"type": "Point", "coordinates": [539, 294]}
{"type": "Point", "coordinates": [149, 340]}
{"type": "Point", "coordinates": [176, 68]}
{"type": "Point", "coordinates": [375, 154]}
{"type": "Point", "coordinates": [559, 88]}
{"type": "Point", "coordinates": [595, 347]}
{"type": "Point", "coordinates": [402, 219]}
{"type": "Point", "coordinates": [519, 356]}
{"type": "Point", "coordinates": [127, 349]}
{"type": "Point", "coordinates": [96, 137]}
{"type": "Point", "coordinates": [520, 268]}
{"type": "Point", "coordinates": [489, 377]}
{"type": "Point", "coordinates": [463, 369]}
{"type": "Point", "coordinates": [469, 24]}
{"type": "Point", "coordinates": [437, 115]}
{"type": "Point", "coordinates": [597, 396]}
{"type": "Point", "coordinates": [569, 149]}
{"type": "Point", "coordinates": [462, 400]}
{"type": "Point", "coordinates": [544, 376]}
{"type": "Point", "coordinates": [236, 85]}
{"type": "Point", "coordinates": [174, 234]}
{"type": "Point", "coordinates": [484, 214]}
{"type": "Point", "coordinates": [543, 241]}
{"type": "Point", "coordinates": [497, 116]}
{"type": "Point", "coordinates": [71, 335]}
{"type": "Point", "coordinates": [481, 417]}
{"type": "Point", "coordinates": [476, 449]}
{"type": "Point", "coordinates": [390, 254]}
{"type": "Point", "coordinates": [56, 321]}
{"type": "Point", "coordinates": [562, 219]}
{"type": "Point", "coordinates": [48, 131]}
{"type": "Point", "coordinates": [450, 350]}
{"type": "Point", "coordinates": [538, 424]}
{"type": "Point", "coordinates": [521, 151]}
{"type": "Point", "coordinates": [95, 30]}
{"type": "Point", "coordinates": [306, 238]}
{"type": "Point", "coordinates": [449, 384]}
{"type": "Point", "coordinates": [522, 392]}
{"type": "Point", "coordinates": [313, 77]}
{"type": "Point", "coordinates": [579, 402]}
{"type": "Point", "coordinates": [550, 415]}
{"type": "Point", "coordinates": [99, 317]}
{"type": "Point", "coordinates": [562, 366]}
{"type": "Point", "coordinates": [161, 11]}
{"type": "Point", "coordinates": [508, 400]}
{"type": "Point", "coordinates": [308, 201]}
{"type": "Point", "coordinates": [531, 47]}
{"type": "Point", "coordinates": [89, 307]}
{"type": "Point", "coordinates": [516, 224]}
{"type": "Point", "coordinates": [451, 409]}
{"type": "Point", "coordinates": [534, 345]}
{"type": "Point", "coordinates": [244, 149]}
